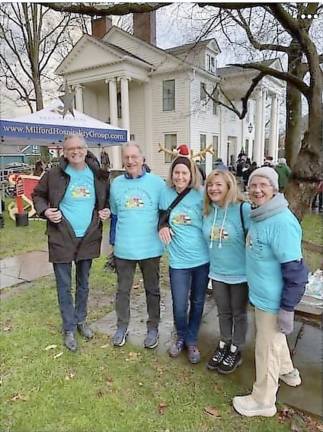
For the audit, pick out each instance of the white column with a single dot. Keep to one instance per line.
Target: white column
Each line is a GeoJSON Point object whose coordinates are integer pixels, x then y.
{"type": "Point", "coordinates": [275, 155]}
{"type": "Point", "coordinates": [125, 104]}
{"type": "Point", "coordinates": [116, 157]}
{"type": "Point", "coordinates": [79, 98]}
{"type": "Point", "coordinates": [272, 150]}
{"type": "Point", "coordinates": [263, 125]}
{"type": "Point", "coordinates": [258, 128]}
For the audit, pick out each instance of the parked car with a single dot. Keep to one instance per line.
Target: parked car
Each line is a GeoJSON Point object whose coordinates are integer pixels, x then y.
{"type": "Point", "coordinates": [18, 167]}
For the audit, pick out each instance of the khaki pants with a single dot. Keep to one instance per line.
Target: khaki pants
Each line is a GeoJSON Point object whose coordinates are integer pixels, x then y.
{"type": "Point", "coordinates": [272, 357]}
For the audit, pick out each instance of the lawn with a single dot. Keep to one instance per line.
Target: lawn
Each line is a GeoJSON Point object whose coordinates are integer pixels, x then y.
{"type": "Point", "coordinates": [45, 388]}
{"type": "Point", "coordinates": [100, 388]}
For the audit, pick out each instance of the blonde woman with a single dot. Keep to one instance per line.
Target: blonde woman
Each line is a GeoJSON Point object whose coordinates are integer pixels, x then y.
{"type": "Point", "coordinates": [226, 219]}
{"type": "Point", "coordinates": [188, 254]}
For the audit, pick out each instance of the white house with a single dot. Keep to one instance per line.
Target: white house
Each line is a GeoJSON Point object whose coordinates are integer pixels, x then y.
{"type": "Point", "coordinates": [159, 95]}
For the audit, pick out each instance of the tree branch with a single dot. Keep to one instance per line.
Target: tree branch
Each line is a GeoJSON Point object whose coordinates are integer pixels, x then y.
{"type": "Point", "coordinates": [96, 9]}
{"type": "Point", "coordinates": [284, 76]}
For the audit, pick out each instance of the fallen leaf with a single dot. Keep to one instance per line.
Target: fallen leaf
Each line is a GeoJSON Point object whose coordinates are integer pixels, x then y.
{"type": "Point", "coordinates": [18, 397]}
{"type": "Point", "coordinates": [161, 408]}
{"type": "Point", "coordinates": [58, 355]}
{"type": "Point", "coordinates": [140, 384]}
{"type": "Point", "coordinates": [70, 375]}
{"type": "Point", "coordinates": [105, 346]}
{"type": "Point", "coordinates": [136, 286]}
{"type": "Point", "coordinates": [319, 427]}
{"type": "Point", "coordinates": [49, 347]}
{"type": "Point", "coordinates": [212, 411]}
{"type": "Point", "coordinates": [7, 328]}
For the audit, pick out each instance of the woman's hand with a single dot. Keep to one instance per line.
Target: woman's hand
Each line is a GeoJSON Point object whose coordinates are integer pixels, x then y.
{"type": "Point", "coordinates": [104, 214]}
{"type": "Point", "coordinates": [165, 235]}
{"type": "Point", "coordinates": [53, 214]}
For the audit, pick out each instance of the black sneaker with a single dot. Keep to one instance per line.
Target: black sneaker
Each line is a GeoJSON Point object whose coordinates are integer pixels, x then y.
{"type": "Point", "coordinates": [218, 356]}
{"type": "Point", "coordinates": [230, 362]}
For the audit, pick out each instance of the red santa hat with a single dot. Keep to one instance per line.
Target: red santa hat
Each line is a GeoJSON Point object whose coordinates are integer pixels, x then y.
{"type": "Point", "coordinates": [183, 150]}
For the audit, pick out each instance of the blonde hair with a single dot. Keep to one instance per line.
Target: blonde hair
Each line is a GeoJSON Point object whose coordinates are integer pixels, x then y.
{"type": "Point", "coordinates": [195, 182]}
{"type": "Point", "coordinates": [233, 195]}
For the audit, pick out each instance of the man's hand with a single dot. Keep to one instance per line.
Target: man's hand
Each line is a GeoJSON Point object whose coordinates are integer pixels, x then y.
{"type": "Point", "coordinates": [53, 214]}
{"type": "Point", "coordinates": [165, 235]}
{"type": "Point", "coordinates": [104, 214]}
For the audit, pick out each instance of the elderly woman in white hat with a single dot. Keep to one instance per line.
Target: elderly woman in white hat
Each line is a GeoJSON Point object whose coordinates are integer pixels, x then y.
{"type": "Point", "coordinates": [277, 277]}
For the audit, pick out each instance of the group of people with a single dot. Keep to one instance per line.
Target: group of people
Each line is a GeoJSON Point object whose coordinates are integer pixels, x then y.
{"type": "Point", "coordinates": [251, 253]}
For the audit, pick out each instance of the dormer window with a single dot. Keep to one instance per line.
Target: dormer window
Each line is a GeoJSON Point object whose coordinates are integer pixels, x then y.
{"type": "Point", "coordinates": [210, 63]}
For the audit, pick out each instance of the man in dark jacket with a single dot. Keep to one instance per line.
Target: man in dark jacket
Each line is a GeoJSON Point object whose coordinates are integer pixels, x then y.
{"type": "Point", "coordinates": [73, 198]}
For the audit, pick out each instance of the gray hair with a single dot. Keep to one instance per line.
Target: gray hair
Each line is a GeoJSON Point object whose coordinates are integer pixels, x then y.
{"type": "Point", "coordinates": [131, 144]}
{"type": "Point", "coordinates": [78, 136]}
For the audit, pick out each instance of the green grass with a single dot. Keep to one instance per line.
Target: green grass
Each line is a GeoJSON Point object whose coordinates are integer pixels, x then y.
{"type": "Point", "coordinates": [99, 388]}
{"type": "Point", "coordinates": [312, 225]}
{"type": "Point", "coordinates": [17, 240]}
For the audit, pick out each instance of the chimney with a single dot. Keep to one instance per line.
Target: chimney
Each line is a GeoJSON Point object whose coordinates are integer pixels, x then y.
{"type": "Point", "coordinates": [144, 26]}
{"type": "Point", "coordinates": [100, 26]}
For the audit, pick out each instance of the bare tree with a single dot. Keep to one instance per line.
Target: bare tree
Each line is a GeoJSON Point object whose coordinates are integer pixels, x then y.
{"type": "Point", "coordinates": [295, 20]}
{"type": "Point", "coordinates": [33, 38]}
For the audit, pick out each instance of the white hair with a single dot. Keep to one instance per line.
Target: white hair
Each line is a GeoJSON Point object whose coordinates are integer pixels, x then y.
{"type": "Point", "coordinates": [78, 136]}
{"type": "Point", "coordinates": [132, 144]}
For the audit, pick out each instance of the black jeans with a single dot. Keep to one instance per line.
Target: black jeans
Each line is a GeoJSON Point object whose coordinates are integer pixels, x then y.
{"type": "Point", "coordinates": [232, 303]}
{"type": "Point", "coordinates": [125, 272]}
{"type": "Point", "coordinates": [72, 315]}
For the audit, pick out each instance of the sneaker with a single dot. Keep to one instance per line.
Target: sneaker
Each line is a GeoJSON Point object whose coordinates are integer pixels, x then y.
{"type": "Point", "coordinates": [176, 348]}
{"type": "Point", "coordinates": [193, 354]}
{"type": "Point", "coordinates": [70, 341]}
{"type": "Point", "coordinates": [218, 356]}
{"type": "Point", "coordinates": [120, 336]}
{"type": "Point", "coordinates": [292, 378]}
{"type": "Point", "coordinates": [247, 406]}
{"type": "Point", "coordinates": [151, 340]}
{"type": "Point", "coordinates": [231, 361]}
{"type": "Point", "coordinates": [84, 330]}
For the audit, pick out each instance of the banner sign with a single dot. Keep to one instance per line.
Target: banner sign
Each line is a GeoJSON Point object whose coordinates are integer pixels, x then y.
{"type": "Point", "coordinates": [57, 133]}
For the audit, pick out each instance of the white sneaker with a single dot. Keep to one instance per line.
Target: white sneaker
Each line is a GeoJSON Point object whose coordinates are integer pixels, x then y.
{"type": "Point", "coordinates": [247, 406]}
{"type": "Point", "coordinates": [292, 378]}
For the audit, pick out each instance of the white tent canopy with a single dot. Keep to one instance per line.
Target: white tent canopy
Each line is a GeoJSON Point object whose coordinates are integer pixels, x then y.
{"type": "Point", "coordinates": [48, 127]}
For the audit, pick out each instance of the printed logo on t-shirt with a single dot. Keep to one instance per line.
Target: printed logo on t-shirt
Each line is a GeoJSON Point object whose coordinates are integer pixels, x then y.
{"type": "Point", "coordinates": [80, 191]}
{"type": "Point", "coordinates": [134, 202]}
{"type": "Point", "coordinates": [182, 219]}
{"type": "Point", "coordinates": [217, 233]}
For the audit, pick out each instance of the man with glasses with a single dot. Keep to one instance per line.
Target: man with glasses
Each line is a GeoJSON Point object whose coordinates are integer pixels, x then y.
{"type": "Point", "coordinates": [134, 203]}
{"type": "Point", "coordinates": [73, 198]}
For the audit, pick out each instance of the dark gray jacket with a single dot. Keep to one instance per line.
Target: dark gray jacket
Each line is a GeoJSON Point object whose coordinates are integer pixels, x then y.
{"type": "Point", "coordinates": [63, 245]}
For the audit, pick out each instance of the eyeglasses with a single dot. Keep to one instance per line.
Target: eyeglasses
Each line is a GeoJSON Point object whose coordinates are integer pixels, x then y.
{"type": "Point", "coordinates": [262, 186]}
{"type": "Point", "coordinates": [72, 149]}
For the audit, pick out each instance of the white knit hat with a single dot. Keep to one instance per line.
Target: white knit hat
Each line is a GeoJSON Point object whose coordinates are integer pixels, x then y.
{"type": "Point", "coordinates": [267, 172]}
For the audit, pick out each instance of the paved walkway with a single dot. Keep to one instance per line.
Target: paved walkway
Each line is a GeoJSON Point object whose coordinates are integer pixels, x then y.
{"type": "Point", "coordinates": [305, 342]}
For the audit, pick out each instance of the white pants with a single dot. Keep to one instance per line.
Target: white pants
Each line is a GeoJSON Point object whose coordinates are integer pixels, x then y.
{"type": "Point", "coordinates": [272, 357]}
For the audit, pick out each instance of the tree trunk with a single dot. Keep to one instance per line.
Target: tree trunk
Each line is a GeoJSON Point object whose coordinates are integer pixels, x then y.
{"type": "Point", "coordinates": [306, 171]}
{"type": "Point", "coordinates": [293, 106]}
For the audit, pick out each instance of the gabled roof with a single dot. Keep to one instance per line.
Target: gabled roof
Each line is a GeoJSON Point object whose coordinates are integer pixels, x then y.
{"type": "Point", "coordinates": [192, 46]}
{"type": "Point", "coordinates": [118, 52]}
{"type": "Point", "coordinates": [233, 70]}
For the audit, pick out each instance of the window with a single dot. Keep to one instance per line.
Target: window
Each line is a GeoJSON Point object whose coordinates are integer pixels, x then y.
{"type": "Point", "coordinates": [215, 155]}
{"type": "Point", "coordinates": [132, 137]}
{"type": "Point", "coordinates": [169, 95]}
{"type": "Point", "coordinates": [210, 63]}
{"type": "Point", "coordinates": [202, 91]}
{"type": "Point", "coordinates": [170, 144]}
{"type": "Point", "coordinates": [119, 105]}
{"type": "Point", "coordinates": [202, 147]}
{"type": "Point", "coordinates": [215, 107]}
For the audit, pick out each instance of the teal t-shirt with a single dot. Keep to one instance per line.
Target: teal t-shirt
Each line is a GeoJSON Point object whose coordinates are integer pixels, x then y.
{"type": "Point", "coordinates": [78, 202]}
{"type": "Point", "coordinates": [270, 243]}
{"type": "Point", "coordinates": [187, 248]}
{"type": "Point", "coordinates": [135, 203]}
{"type": "Point", "coordinates": [227, 248]}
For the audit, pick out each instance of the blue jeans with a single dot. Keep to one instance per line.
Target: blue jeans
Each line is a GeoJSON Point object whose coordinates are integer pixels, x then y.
{"type": "Point", "coordinates": [72, 315]}
{"type": "Point", "coordinates": [188, 284]}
